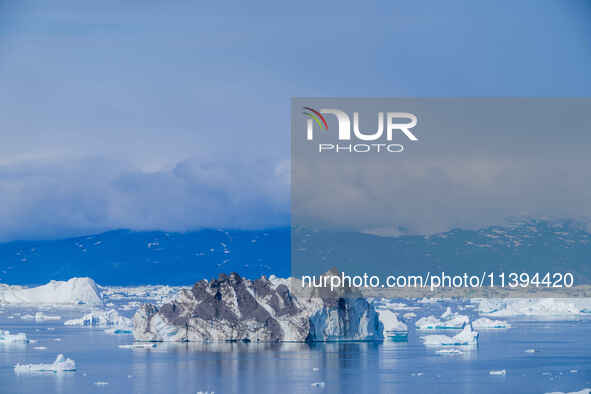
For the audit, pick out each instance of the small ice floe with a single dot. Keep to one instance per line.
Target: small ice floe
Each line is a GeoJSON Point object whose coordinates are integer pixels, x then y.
{"type": "Point", "coordinates": [466, 337]}
{"type": "Point", "coordinates": [416, 374]}
{"type": "Point", "coordinates": [574, 371]}
{"type": "Point", "coordinates": [7, 337]}
{"type": "Point", "coordinates": [449, 351]}
{"type": "Point", "coordinates": [530, 350]}
{"type": "Point", "coordinates": [409, 315]}
{"type": "Point", "coordinates": [57, 339]}
{"type": "Point", "coordinates": [500, 372]}
{"type": "Point", "coordinates": [101, 383]}
{"type": "Point", "coordinates": [40, 316]}
{"type": "Point", "coordinates": [40, 348]}
{"type": "Point", "coordinates": [138, 346]}
{"type": "Point", "coordinates": [486, 324]}
{"type": "Point", "coordinates": [50, 328]}
{"type": "Point", "coordinates": [315, 369]}
{"type": "Point", "coordinates": [318, 384]}
{"type": "Point", "coordinates": [584, 391]}
{"type": "Point", "coordinates": [61, 364]}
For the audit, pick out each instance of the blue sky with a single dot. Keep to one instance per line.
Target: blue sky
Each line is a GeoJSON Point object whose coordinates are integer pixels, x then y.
{"type": "Point", "coordinates": [175, 115]}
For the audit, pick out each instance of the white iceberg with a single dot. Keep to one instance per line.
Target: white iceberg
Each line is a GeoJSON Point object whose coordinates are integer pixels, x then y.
{"type": "Point", "coordinates": [7, 337]}
{"type": "Point", "coordinates": [60, 364]}
{"type": "Point", "coordinates": [539, 308]}
{"type": "Point", "coordinates": [485, 323]}
{"type": "Point", "coordinates": [109, 318]}
{"type": "Point", "coordinates": [73, 291]}
{"type": "Point", "coordinates": [501, 372]}
{"type": "Point", "coordinates": [464, 338]}
{"type": "Point", "coordinates": [448, 321]}
{"type": "Point", "coordinates": [393, 328]}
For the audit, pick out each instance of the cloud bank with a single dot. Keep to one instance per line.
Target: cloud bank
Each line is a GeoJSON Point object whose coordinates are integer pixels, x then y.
{"type": "Point", "coordinates": [42, 199]}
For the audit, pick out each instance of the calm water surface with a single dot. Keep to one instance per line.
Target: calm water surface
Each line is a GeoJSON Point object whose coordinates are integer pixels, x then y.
{"type": "Point", "coordinates": [562, 363]}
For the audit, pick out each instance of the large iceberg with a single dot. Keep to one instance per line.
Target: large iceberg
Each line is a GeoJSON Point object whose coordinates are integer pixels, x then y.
{"type": "Point", "coordinates": [231, 308]}
{"type": "Point", "coordinates": [7, 337]}
{"type": "Point", "coordinates": [464, 338]}
{"type": "Point", "coordinates": [73, 291]}
{"type": "Point", "coordinates": [61, 364]}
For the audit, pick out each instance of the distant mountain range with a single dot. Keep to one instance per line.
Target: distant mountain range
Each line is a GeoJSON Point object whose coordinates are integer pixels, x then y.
{"type": "Point", "coordinates": [523, 245]}
{"type": "Point", "coordinates": [126, 257]}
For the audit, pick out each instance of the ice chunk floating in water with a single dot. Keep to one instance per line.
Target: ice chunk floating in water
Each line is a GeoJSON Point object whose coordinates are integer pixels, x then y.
{"type": "Point", "coordinates": [7, 337]}
{"type": "Point", "coordinates": [464, 338]}
{"type": "Point", "coordinates": [485, 323]}
{"type": "Point", "coordinates": [109, 318]}
{"type": "Point", "coordinates": [393, 328]}
{"type": "Point", "coordinates": [61, 364]}
{"type": "Point", "coordinates": [501, 372]}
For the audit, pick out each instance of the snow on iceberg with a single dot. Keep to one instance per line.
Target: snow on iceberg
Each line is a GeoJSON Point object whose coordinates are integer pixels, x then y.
{"type": "Point", "coordinates": [485, 323]}
{"type": "Point", "coordinates": [61, 364]}
{"type": "Point", "coordinates": [73, 291]}
{"type": "Point", "coordinates": [109, 318]}
{"type": "Point", "coordinates": [7, 337]}
{"type": "Point", "coordinates": [464, 338]}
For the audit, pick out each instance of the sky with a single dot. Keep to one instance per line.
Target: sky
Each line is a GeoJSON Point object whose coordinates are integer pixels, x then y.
{"type": "Point", "coordinates": [176, 115]}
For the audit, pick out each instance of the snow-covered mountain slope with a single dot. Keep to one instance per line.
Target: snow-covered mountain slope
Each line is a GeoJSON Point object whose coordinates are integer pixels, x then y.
{"type": "Point", "coordinates": [73, 291]}
{"type": "Point", "coordinates": [234, 308]}
{"type": "Point", "coordinates": [130, 258]}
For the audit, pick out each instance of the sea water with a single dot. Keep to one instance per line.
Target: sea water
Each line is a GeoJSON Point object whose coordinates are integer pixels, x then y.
{"type": "Point", "coordinates": [561, 362]}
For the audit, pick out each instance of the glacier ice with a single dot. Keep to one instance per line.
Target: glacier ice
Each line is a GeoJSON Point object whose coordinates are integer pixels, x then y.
{"type": "Point", "coordinates": [60, 364]}
{"type": "Point", "coordinates": [466, 337]}
{"type": "Point", "coordinates": [73, 291]}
